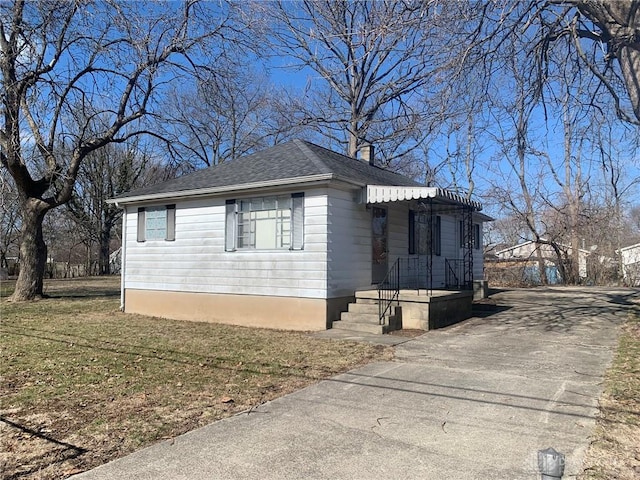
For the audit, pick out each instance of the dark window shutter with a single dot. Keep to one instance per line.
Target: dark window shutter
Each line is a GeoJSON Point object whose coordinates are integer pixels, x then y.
{"type": "Point", "coordinates": [141, 224]}
{"type": "Point", "coordinates": [171, 223]}
{"type": "Point", "coordinates": [437, 236]}
{"type": "Point", "coordinates": [297, 221]}
{"type": "Point", "coordinates": [230, 226]}
{"type": "Point", "coordinates": [412, 232]}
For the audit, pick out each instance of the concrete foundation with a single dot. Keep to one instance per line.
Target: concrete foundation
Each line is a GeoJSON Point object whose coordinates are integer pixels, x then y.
{"type": "Point", "coordinates": [287, 313]}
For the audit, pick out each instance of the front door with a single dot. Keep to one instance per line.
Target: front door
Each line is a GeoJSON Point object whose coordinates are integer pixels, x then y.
{"type": "Point", "coordinates": [379, 247]}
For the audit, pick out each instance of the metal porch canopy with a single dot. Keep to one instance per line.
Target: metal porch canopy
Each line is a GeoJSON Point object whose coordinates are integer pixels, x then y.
{"type": "Point", "coordinates": [392, 193]}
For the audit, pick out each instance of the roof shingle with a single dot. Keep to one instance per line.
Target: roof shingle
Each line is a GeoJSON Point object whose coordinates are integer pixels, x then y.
{"type": "Point", "coordinates": [284, 162]}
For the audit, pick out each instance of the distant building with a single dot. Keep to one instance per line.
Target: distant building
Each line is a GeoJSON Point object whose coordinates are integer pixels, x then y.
{"type": "Point", "coordinates": [530, 253]}
{"type": "Point", "coordinates": [630, 259]}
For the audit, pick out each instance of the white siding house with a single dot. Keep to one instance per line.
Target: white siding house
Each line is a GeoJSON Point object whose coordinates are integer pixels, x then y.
{"type": "Point", "coordinates": [282, 238]}
{"type": "Point", "coordinates": [630, 258]}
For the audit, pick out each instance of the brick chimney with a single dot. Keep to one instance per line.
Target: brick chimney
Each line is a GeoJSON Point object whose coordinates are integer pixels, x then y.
{"type": "Point", "coordinates": [366, 153]}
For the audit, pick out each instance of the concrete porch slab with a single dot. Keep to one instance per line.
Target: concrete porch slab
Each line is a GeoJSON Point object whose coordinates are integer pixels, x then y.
{"type": "Point", "coordinates": [428, 309]}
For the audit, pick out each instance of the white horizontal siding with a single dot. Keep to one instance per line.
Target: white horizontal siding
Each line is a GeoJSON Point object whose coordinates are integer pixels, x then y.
{"type": "Point", "coordinates": [349, 244]}
{"type": "Point", "coordinates": [197, 262]}
{"type": "Point", "coordinates": [398, 230]}
{"type": "Point", "coordinates": [478, 257]}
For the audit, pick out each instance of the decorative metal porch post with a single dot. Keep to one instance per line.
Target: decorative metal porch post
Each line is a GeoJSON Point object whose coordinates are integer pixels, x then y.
{"type": "Point", "coordinates": [467, 222]}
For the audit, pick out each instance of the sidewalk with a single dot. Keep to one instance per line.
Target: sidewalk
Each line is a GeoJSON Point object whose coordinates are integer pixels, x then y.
{"type": "Point", "coordinates": [474, 401]}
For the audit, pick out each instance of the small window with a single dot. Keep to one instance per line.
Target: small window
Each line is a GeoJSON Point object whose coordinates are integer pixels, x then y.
{"type": "Point", "coordinates": [157, 223]}
{"type": "Point", "coordinates": [155, 227]}
{"type": "Point", "coordinates": [476, 236]}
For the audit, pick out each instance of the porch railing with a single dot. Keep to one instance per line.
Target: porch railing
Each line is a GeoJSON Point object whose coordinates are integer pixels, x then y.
{"type": "Point", "coordinates": [389, 291]}
{"type": "Point", "coordinates": [405, 273]}
{"type": "Point", "coordinates": [451, 268]}
{"type": "Point", "coordinates": [454, 274]}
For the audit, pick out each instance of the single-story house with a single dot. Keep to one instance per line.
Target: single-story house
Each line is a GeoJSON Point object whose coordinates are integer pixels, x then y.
{"type": "Point", "coordinates": [530, 252]}
{"type": "Point", "coordinates": [286, 237]}
{"type": "Point", "coordinates": [630, 259]}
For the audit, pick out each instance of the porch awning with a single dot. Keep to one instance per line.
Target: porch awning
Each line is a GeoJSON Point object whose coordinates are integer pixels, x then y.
{"type": "Point", "coordinates": [391, 193]}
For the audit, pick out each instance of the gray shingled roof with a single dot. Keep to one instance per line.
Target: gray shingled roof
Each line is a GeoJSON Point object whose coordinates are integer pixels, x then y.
{"type": "Point", "coordinates": [286, 162]}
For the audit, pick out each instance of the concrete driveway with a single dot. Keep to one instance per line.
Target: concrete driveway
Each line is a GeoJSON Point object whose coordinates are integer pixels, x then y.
{"type": "Point", "coordinates": [474, 401]}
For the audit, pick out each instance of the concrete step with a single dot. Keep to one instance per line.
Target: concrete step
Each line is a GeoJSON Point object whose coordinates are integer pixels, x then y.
{"type": "Point", "coordinates": [360, 317]}
{"type": "Point", "coordinates": [360, 327]}
{"type": "Point", "coordinates": [368, 308]}
{"type": "Point", "coordinates": [370, 300]}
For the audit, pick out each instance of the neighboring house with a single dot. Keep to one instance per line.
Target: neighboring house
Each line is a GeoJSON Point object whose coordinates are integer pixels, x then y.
{"type": "Point", "coordinates": [630, 259]}
{"type": "Point", "coordinates": [284, 238]}
{"type": "Point", "coordinates": [115, 261]}
{"type": "Point", "coordinates": [530, 253]}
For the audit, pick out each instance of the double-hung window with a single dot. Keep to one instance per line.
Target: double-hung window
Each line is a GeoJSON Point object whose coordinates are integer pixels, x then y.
{"type": "Point", "coordinates": [265, 223]}
{"type": "Point", "coordinates": [157, 223]}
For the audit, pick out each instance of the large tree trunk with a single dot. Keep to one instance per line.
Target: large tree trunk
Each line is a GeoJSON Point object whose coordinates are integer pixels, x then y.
{"type": "Point", "coordinates": [33, 252]}
{"type": "Point", "coordinates": [630, 65]}
{"type": "Point", "coordinates": [352, 147]}
{"type": "Point", "coordinates": [542, 266]}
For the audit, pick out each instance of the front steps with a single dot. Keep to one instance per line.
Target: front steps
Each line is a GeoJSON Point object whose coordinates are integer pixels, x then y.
{"type": "Point", "coordinates": [362, 316]}
{"type": "Point", "coordinates": [415, 309]}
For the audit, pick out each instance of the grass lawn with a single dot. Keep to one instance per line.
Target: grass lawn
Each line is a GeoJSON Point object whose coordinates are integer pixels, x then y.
{"type": "Point", "coordinates": [83, 383]}
{"type": "Point", "coordinates": [615, 450]}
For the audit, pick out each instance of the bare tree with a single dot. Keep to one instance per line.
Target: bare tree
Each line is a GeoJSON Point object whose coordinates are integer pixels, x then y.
{"type": "Point", "coordinates": [519, 189]}
{"type": "Point", "coordinates": [633, 221]}
{"type": "Point", "coordinates": [605, 42]}
{"type": "Point", "coordinates": [567, 54]}
{"type": "Point", "coordinates": [231, 111]}
{"type": "Point", "coordinates": [620, 178]}
{"type": "Point", "coordinates": [9, 220]}
{"type": "Point", "coordinates": [68, 60]}
{"type": "Point", "coordinates": [617, 25]}
{"type": "Point", "coordinates": [107, 172]}
{"type": "Point", "coordinates": [380, 69]}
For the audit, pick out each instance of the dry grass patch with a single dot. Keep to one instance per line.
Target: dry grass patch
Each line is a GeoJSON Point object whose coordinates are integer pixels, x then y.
{"type": "Point", "coordinates": [83, 383]}
{"type": "Point", "coordinates": [615, 450]}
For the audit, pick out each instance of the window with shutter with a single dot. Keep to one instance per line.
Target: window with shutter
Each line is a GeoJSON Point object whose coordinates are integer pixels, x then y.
{"type": "Point", "coordinates": [141, 224]}
{"type": "Point", "coordinates": [230, 226]}
{"type": "Point", "coordinates": [265, 223]}
{"type": "Point", "coordinates": [297, 215]}
{"type": "Point", "coordinates": [171, 223]}
{"type": "Point", "coordinates": [157, 223]}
